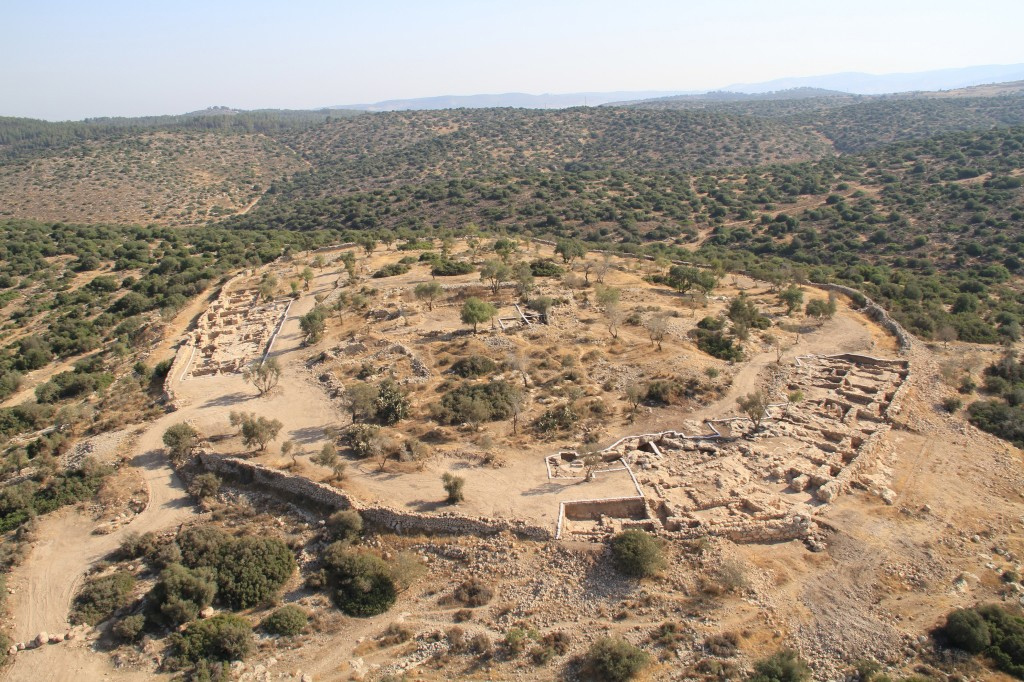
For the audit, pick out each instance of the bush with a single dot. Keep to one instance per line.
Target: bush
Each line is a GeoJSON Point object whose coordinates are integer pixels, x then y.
{"type": "Point", "coordinates": [136, 546]}
{"type": "Point", "coordinates": [361, 438]}
{"type": "Point", "coordinates": [361, 583]}
{"type": "Point", "coordinates": [951, 405]}
{"type": "Point", "coordinates": [204, 486]}
{"type": "Point", "coordinates": [477, 403]}
{"type": "Point", "coordinates": [393, 270]}
{"type": "Point", "coordinates": [965, 629]}
{"type": "Point", "coordinates": [637, 553]}
{"type": "Point", "coordinates": [473, 592]}
{"type": "Point", "coordinates": [782, 666]}
{"type": "Point", "coordinates": [545, 267]}
{"type": "Point", "coordinates": [453, 486]}
{"type": "Point", "coordinates": [559, 418]}
{"type": "Point", "coordinates": [250, 570]}
{"type": "Point", "coordinates": [391, 405]}
{"type": "Point", "coordinates": [717, 345]}
{"type": "Point", "coordinates": [225, 637]}
{"type": "Point", "coordinates": [615, 660]}
{"type": "Point", "coordinates": [99, 598]}
{"type": "Point", "coordinates": [129, 628]}
{"type": "Point", "coordinates": [181, 440]}
{"type": "Point", "coordinates": [287, 621]}
{"type": "Point", "coordinates": [1006, 630]}
{"type": "Point", "coordinates": [474, 366]}
{"type": "Point", "coordinates": [451, 268]}
{"type": "Point", "coordinates": [345, 525]}
{"type": "Point", "coordinates": [180, 594]}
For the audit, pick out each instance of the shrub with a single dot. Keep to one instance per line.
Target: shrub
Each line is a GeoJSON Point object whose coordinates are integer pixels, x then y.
{"type": "Point", "coordinates": [361, 438]}
{"type": "Point", "coordinates": [100, 597]}
{"type": "Point", "coordinates": [180, 594]}
{"type": "Point", "coordinates": [361, 584]}
{"type": "Point", "coordinates": [615, 660]}
{"type": "Point", "coordinates": [450, 268]}
{"type": "Point", "coordinates": [545, 267]}
{"type": "Point", "coordinates": [204, 486]}
{"type": "Point", "coordinates": [473, 592]}
{"type": "Point", "coordinates": [250, 570]}
{"type": "Point", "coordinates": [129, 628]}
{"type": "Point", "coordinates": [559, 418]}
{"type": "Point", "coordinates": [391, 405]}
{"type": "Point", "coordinates": [474, 366]}
{"type": "Point", "coordinates": [393, 270]}
{"type": "Point", "coordinates": [782, 666]}
{"type": "Point", "coordinates": [717, 345]}
{"type": "Point", "coordinates": [225, 637]}
{"type": "Point", "coordinates": [345, 525]}
{"type": "Point", "coordinates": [637, 553]}
{"type": "Point", "coordinates": [181, 440]}
{"type": "Point", "coordinates": [1006, 630]}
{"type": "Point", "coordinates": [951, 405]}
{"type": "Point", "coordinates": [453, 486]}
{"type": "Point", "coordinates": [135, 546]}
{"type": "Point", "coordinates": [965, 629]}
{"type": "Point", "coordinates": [287, 621]}
{"type": "Point", "coordinates": [477, 403]}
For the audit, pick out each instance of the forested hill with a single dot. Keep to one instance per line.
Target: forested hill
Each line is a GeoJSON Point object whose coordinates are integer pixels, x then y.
{"type": "Point", "coordinates": [916, 200]}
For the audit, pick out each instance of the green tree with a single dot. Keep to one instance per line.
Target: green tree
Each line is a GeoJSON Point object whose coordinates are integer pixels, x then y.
{"type": "Point", "coordinates": [570, 250]}
{"type": "Point", "coordinates": [428, 291]}
{"type": "Point", "coordinates": [313, 325]}
{"type": "Point", "coordinates": [755, 406]}
{"type": "Point", "coordinates": [362, 401]}
{"type": "Point", "coordinates": [474, 311]}
{"type": "Point", "coordinates": [792, 297]}
{"type": "Point", "coordinates": [495, 272]}
{"type": "Point", "coordinates": [181, 440]}
{"type": "Point", "coordinates": [259, 431]}
{"type": "Point", "coordinates": [263, 375]}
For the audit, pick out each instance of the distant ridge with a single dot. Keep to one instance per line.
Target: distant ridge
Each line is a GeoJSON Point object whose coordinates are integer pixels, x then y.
{"type": "Point", "coordinates": [510, 99]}
{"type": "Point", "coordinates": [718, 96]}
{"type": "Point", "coordinates": [871, 84]}
{"type": "Point", "coordinates": [796, 88]}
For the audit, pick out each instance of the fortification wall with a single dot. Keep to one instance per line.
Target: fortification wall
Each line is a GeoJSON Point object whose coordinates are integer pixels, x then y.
{"type": "Point", "coordinates": [328, 498]}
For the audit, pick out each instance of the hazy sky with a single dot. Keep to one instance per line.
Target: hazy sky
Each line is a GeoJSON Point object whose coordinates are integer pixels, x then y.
{"type": "Point", "coordinates": [79, 58]}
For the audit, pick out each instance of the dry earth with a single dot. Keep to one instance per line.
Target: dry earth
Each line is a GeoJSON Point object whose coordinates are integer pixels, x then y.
{"type": "Point", "coordinates": [891, 568]}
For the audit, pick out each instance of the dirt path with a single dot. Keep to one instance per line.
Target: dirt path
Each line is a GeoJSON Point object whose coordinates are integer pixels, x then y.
{"type": "Point", "coordinates": [48, 579]}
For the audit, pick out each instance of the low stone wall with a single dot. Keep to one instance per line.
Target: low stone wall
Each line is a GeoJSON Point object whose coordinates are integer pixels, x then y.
{"type": "Point", "coordinates": [875, 312]}
{"type": "Point", "coordinates": [618, 507]}
{"type": "Point", "coordinates": [796, 527]}
{"type": "Point", "coordinates": [305, 492]}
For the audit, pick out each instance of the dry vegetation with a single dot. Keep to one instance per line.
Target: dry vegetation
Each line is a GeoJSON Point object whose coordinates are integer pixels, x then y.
{"type": "Point", "coordinates": [164, 178]}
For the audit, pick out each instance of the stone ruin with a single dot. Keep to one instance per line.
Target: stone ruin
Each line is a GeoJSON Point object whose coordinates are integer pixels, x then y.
{"type": "Point", "coordinates": [236, 330]}
{"type": "Point", "coordinates": [750, 487]}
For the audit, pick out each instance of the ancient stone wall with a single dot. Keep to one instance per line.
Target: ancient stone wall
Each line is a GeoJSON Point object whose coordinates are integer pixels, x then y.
{"type": "Point", "coordinates": [310, 493]}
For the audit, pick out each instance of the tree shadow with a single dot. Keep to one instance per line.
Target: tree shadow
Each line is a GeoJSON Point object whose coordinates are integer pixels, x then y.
{"type": "Point", "coordinates": [228, 399]}
{"type": "Point", "coordinates": [428, 505]}
{"type": "Point", "coordinates": [307, 435]}
{"type": "Point", "coordinates": [549, 488]}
